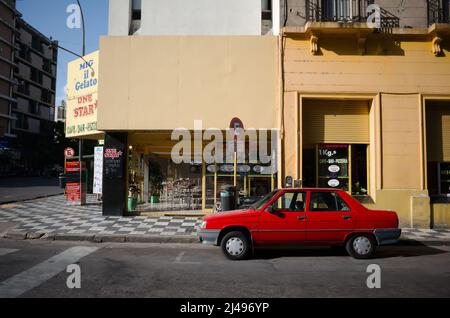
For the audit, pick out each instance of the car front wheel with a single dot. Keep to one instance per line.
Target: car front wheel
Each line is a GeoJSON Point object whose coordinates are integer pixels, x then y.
{"type": "Point", "coordinates": [236, 245]}
{"type": "Point", "coordinates": [361, 246]}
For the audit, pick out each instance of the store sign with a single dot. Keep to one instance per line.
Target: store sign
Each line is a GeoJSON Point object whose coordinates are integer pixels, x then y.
{"type": "Point", "coordinates": [74, 191]}
{"type": "Point", "coordinates": [82, 86]}
{"type": "Point", "coordinates": [98, 170]}
{"type": "Point", "coordinates": [333, 166]}
{"type": "Point", "coordinates": [113, 162]}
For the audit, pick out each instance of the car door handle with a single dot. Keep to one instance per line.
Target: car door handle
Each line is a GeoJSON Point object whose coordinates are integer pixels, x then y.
{"type": "Point", "coordinates": [346, 217]}
{"type": "Point", "coordinates": [301, 218]}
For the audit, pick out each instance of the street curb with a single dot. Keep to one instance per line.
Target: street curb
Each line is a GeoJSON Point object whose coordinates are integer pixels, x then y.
{"type": "Point", "coordinates": [187, 239]}
{"type": "Point", "coordinates": [21, 235]}
{"type": "Point", "coordinates": [32, 199]}
{"type": "Point", "coordinates": [15, 235]}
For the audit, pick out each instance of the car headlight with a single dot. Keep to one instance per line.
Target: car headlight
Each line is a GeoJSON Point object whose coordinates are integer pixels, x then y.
{"type": "Point", "coordinates": [203, 225]}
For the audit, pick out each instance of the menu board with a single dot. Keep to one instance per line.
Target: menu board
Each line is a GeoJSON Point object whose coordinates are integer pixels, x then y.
{"type": "Point", "coordinates": [333, 166]}
{"type": "Point", "coordinates": [444, 178]}
{"type": "Point", "coordinates": [98, 170]}
{"type": "Point", "coordinates": [75, 187]}
{"type": "Point", "coordinates": [113, 163]}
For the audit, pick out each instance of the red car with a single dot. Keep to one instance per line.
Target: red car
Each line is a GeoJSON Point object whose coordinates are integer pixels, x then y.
{"type": "Point", "coordinates": [313, 217]}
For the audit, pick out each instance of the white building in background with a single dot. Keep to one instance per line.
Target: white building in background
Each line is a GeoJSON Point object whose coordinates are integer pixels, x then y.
{"type": "Point", "coordinates": [193, 17]}
{"type": "Point", "coordinates": [60, 112]}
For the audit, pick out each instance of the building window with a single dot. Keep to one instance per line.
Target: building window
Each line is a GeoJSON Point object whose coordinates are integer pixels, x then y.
{"type": "Point", "coordinates": [438, 147]}
{"type": "Point", "coordinates": [36, 76]}
{"type": "Point", "coordinates": [340, 166]}
{"type": "Point", "coordinates": [33, 107]}
{"type": "Point", "coordinates": [21, 121]}
{"type": "Point", "coordinates": [47, 66]}
{"type": "Point", "coordinates": [266, 6]}
{"type": "Point", "coordinates": [136, 10]}
{"type": "Point", "coordinates": [46, 96]}
{"type": "Point", "coordinates": [444, 178]}
{"type": "Point", "coordinates": [37, 44]}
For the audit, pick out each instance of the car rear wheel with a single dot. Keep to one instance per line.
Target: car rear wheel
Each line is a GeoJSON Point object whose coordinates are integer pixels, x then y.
{"type": "Point", "coordinates": [236, 245]}
{"type": "Point", "coordinates": [361, 246]}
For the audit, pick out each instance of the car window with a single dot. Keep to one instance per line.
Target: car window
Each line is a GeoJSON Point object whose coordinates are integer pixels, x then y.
{"type": "Point", "coordinates": [327, 202]}
{"type": "Point", "coordinates": [341, 205]}
{"type": "Point", "coordinates": [291, 202]}
{"type": "Point", "coordinates": [263, 201]}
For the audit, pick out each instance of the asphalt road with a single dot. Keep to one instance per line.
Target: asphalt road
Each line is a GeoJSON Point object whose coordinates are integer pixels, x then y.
{"type": "Point", "coordinates": [38, 269]}
{"type": "Point", "coordinates": [27, 188]}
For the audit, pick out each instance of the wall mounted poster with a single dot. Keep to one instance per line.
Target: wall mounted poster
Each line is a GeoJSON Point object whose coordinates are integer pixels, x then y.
{"type": "Point", "coordinates": [75, 188]}
{"type": "Point", "coordinates": [113, 162]}
{"type": "Point", "coordinates": [333, 166]}
{"type": "Point", "coordinates": [98, 170]}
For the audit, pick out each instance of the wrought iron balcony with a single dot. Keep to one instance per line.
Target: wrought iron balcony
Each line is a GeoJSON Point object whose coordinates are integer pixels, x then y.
{"type": "Point", "coordinates": [438, 11]}
{"type": "Point", "coordinates": [346, 11]}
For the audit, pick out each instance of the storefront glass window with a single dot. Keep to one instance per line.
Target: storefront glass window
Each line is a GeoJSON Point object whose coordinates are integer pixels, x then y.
{"type": "Point", "coordinates": [340, 166]}
{"type": "Point", "coordinates": [444, 178]}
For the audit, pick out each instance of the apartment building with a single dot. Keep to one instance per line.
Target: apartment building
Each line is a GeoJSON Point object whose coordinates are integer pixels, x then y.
{"type": "Point", "coordinates": [27, 88]}
{"type": "Point", "coordinates": [8, 16]}
{"type": "Point", "coordinates": [36, 74]}
{"type": "Point", "coordinates": [60, 112]}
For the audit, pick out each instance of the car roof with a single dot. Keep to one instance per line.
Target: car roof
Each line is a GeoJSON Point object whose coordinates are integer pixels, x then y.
{"type": "Point", "coordinates": [312, 189]}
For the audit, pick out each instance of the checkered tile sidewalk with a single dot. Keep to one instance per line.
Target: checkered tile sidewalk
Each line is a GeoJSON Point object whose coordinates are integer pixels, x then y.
{"type": "Point", "coordinates": [52, 216]}
{"type": "Point", "coordinates": [426, 234]}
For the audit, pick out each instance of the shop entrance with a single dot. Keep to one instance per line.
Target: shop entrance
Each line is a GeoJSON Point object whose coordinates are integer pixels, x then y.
{"type": "Point", "coordinates": [336, 143]}
{"type": "Point", "coordinates": [159, 185]}
{"type": "Point", "coordinates": [438, 149]}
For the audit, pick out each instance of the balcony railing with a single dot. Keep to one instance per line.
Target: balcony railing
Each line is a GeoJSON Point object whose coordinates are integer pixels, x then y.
{"type": "Point", "coordinates": [337, 10]}
{"type": "Point", "coordinates": [438, 11]}
{"type": "Point", "coordinates": [346, 11]}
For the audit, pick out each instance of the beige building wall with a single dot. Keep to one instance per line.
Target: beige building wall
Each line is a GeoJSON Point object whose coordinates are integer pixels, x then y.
{"type": "Point", "coordinates": [162, 83]}
{"type": "Point", "coordinates": [388, 66]}
{"type": "Point", "coordinates": [401, 142]}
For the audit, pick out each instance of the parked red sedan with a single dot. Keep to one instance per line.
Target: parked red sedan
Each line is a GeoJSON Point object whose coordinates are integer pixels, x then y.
{"type": "Point", "coordinates": [317, 217]}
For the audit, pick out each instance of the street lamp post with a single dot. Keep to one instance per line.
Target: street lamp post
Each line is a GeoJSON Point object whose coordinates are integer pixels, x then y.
{"type": "Point", "coordinates": [80, 141]}
{"type": "Point", "coordinates": [83, 53]}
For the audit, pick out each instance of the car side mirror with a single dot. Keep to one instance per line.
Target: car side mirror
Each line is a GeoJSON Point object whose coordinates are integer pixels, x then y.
{"type": "Point", "coordinates": [270, 209]}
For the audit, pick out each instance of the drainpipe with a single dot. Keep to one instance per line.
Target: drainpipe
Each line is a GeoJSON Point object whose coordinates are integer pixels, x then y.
{"type": "Point", "coordinates": [281, 103]}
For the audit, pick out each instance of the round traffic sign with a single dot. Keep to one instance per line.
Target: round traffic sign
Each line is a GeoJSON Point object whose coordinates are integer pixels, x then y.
{"type": "Point", "coordinates": [69, 152]}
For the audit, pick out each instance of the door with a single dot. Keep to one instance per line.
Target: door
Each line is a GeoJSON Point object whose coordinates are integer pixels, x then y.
{"type": "Point", "coordinates": [329, 218]}
{"type": "Point", "coordinates": [285, 224]}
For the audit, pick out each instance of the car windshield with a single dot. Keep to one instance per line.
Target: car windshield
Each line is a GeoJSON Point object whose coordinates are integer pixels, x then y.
{"type": "Point", "coordinates": [263, 201]}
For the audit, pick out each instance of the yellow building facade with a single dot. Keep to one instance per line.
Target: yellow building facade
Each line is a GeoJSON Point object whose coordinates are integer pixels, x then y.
{"type": "Point", "coordinates": [384, 99]}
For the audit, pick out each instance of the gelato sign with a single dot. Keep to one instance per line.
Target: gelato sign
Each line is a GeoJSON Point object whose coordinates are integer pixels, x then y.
{"type": "Point", "coordinates": [82, 86]}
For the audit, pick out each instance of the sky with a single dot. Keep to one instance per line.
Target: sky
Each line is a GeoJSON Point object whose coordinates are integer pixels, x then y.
{"type": "Point", "coordinates": [50, 18]}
